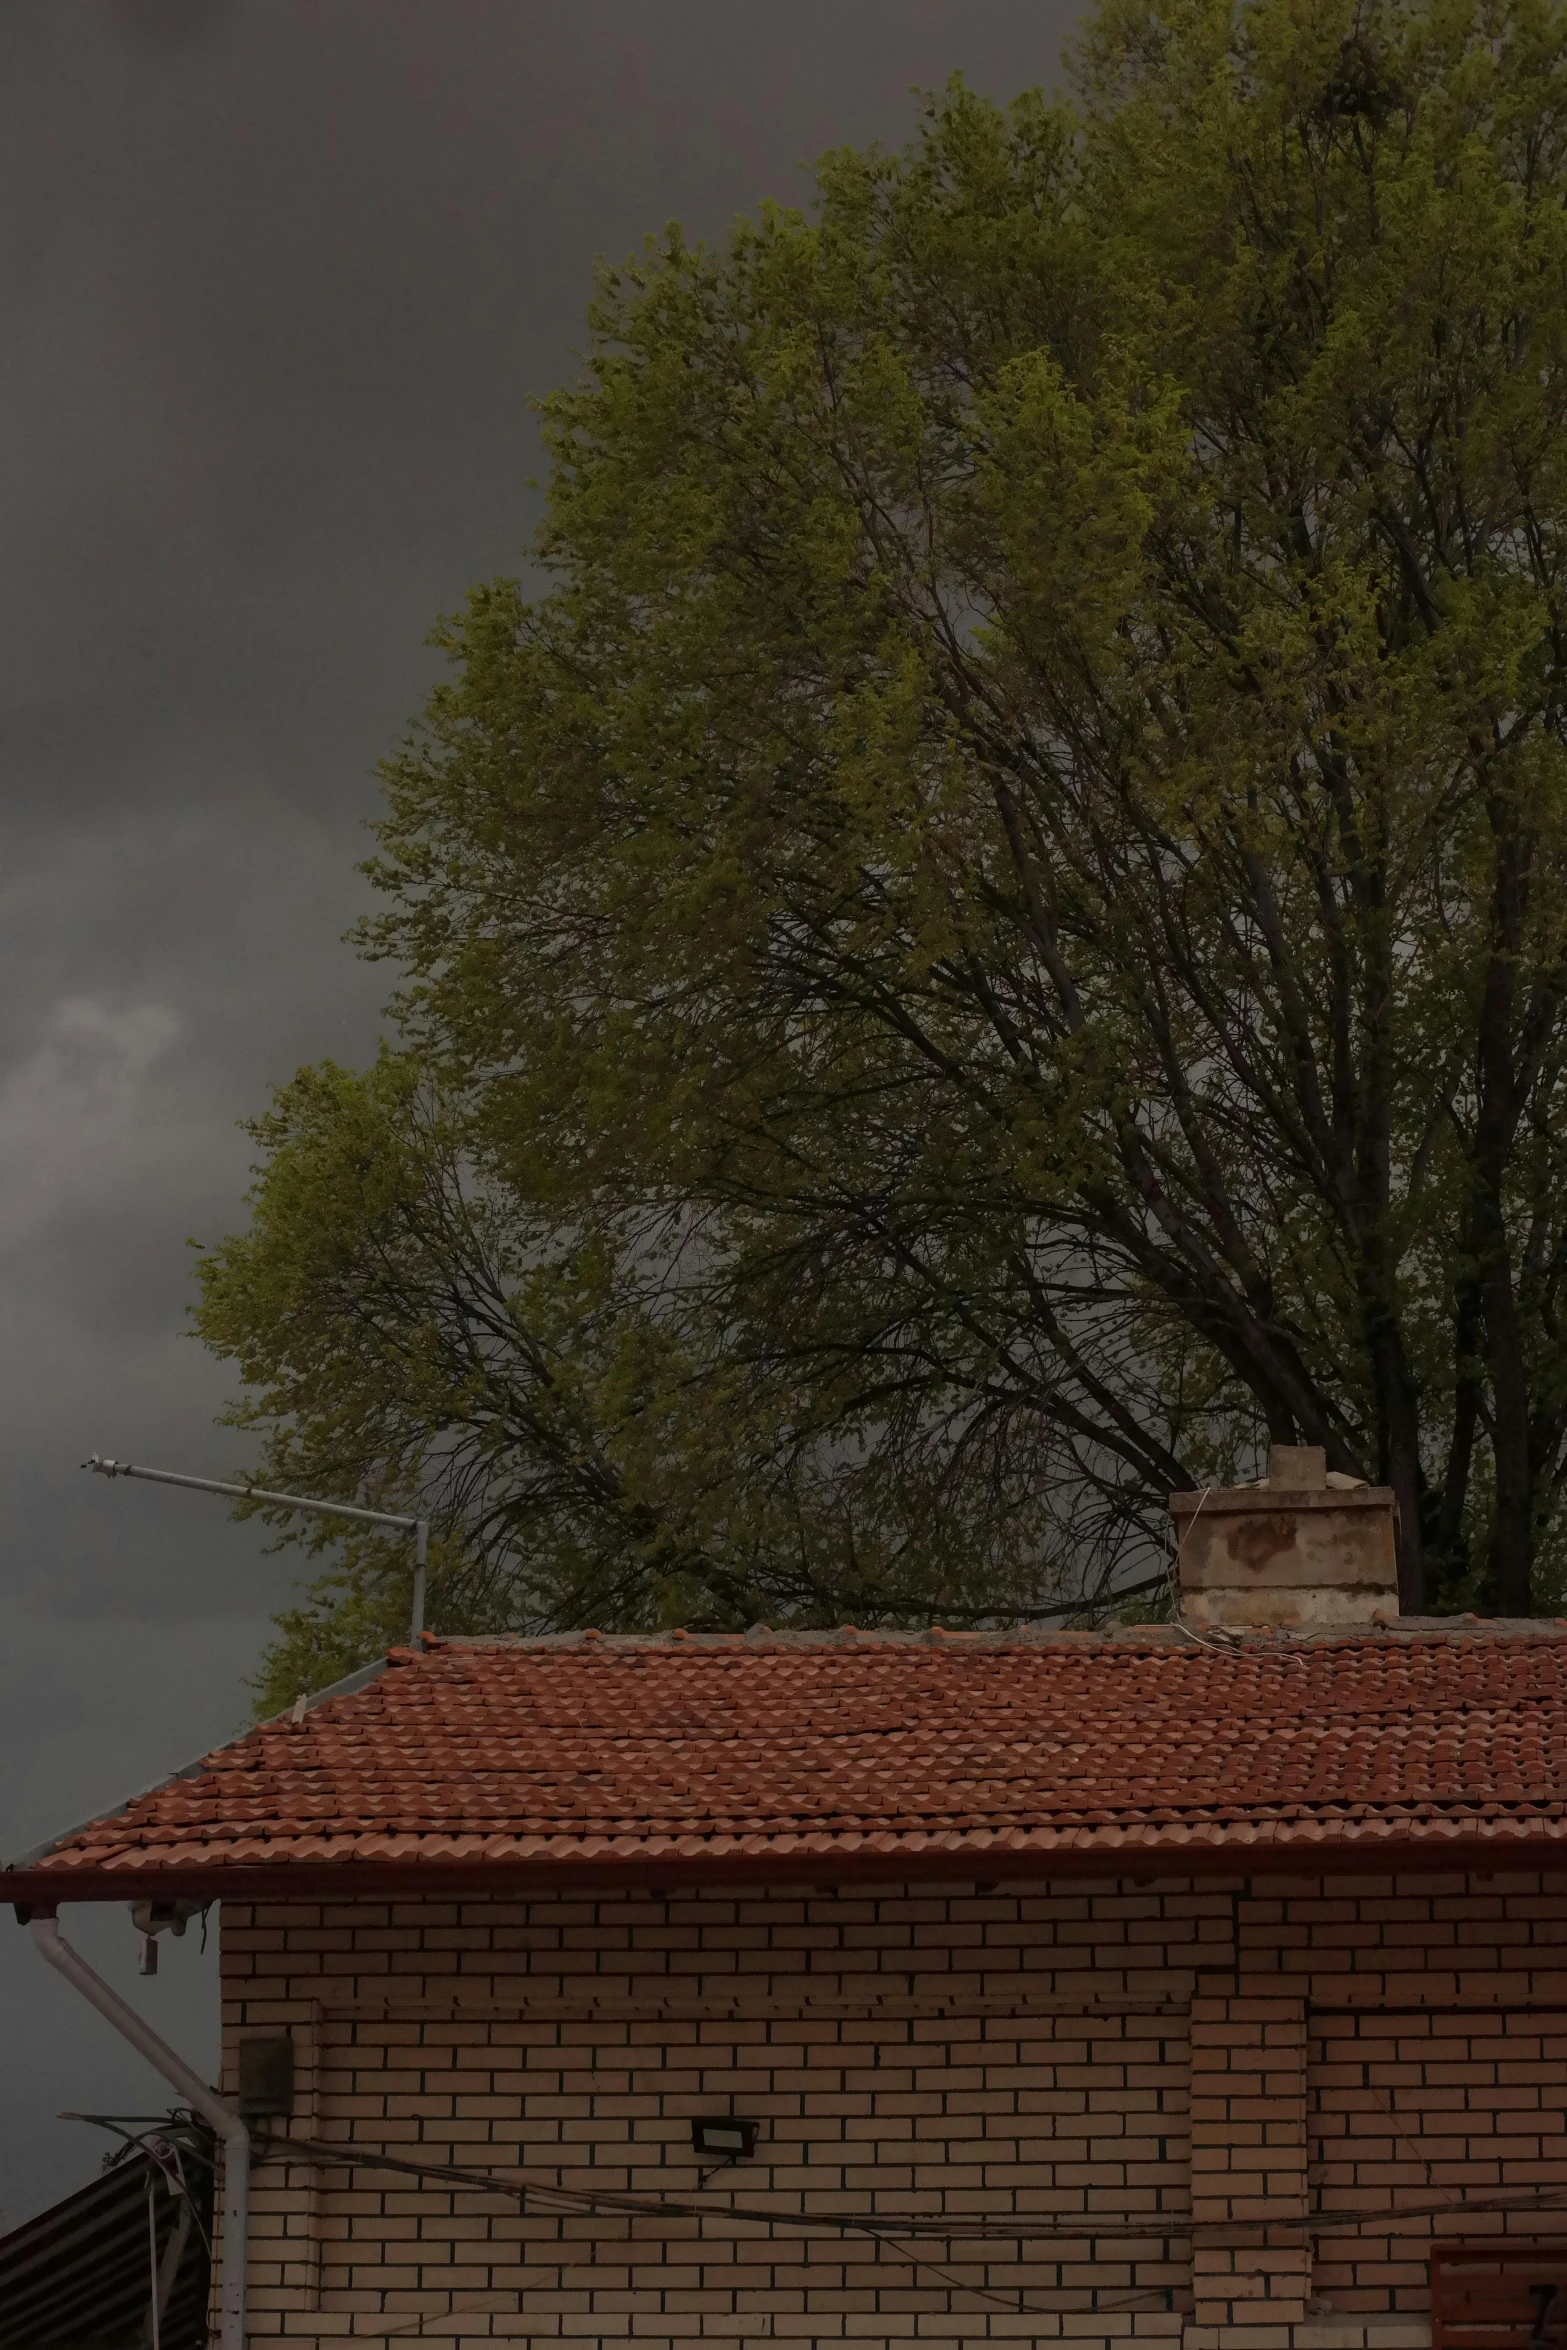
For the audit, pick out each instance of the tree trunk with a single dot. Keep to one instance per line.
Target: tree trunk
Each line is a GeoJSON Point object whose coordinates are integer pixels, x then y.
{"type": "Point", "coordinates": [1495, 1133]}
{"type": "Point", "coordinates": [1398, 1431]}
{"type": "Point", "coordinates": [1512, 1532]}
{"type": "Point", "coordinates": [1403, 1474]}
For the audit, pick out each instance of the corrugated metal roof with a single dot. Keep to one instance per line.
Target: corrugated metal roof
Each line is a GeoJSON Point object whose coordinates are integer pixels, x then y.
{"type": "Point", "coordinates": [80, 2275]}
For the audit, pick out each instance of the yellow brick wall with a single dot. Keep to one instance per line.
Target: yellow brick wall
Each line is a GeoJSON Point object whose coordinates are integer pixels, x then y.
{"type": "Point", "coordinates": [1148, 2096]}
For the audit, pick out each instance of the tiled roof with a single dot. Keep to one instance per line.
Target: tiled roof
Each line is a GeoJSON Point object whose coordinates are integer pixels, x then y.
{"type": "Point", "coordinates": [870, 1751]}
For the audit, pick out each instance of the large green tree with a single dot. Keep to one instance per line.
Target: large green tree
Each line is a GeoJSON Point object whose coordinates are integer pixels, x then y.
{"type": "Point", "coordinates": [996, 936]}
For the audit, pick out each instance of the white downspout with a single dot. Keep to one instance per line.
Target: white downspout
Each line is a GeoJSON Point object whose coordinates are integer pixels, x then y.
{"type": "Point", "coordinates": [236, 2138]}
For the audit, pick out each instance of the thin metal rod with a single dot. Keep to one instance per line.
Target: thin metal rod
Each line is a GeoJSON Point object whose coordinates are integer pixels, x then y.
{"type": "Point", "coordinates": [52, 1945]}
{"type": "Point", "coordinates": [293, 1501]}
{"type": "Point", "coordinates": [174, 2253]}
{"type": "Point", "coordinates": [419, 1528]}
{"type": "Point", "coordinates": [421, 1561]}
{"type": "Point", "coordinates": [152, 2243]}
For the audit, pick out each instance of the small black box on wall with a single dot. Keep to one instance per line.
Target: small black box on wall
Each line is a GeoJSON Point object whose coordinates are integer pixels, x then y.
{"type": "Point", "coordinates": [266, 2077]}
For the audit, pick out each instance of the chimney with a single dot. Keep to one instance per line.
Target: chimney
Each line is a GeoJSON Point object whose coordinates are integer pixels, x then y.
{"type": "Point", "coordinates": [1306, 1550]}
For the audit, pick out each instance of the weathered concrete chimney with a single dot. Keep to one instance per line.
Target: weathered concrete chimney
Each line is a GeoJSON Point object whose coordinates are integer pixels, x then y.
{"type": "Point", "coordinates": [1305, 1549]}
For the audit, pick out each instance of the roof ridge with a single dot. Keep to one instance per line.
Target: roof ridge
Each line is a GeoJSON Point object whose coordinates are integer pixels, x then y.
{"type": "Point", "coordinates": [1408, 1630]}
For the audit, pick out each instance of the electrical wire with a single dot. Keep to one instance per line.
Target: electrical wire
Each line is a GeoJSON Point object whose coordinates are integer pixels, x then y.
{"type": "Point", "coordinates": [882, 2230]}
{"type": "Point", "coordinates": [889, 2232]}
{"type": "Point", "coordinates": [548, 2196]}
{"type": "Point", "coordinates": [557, 2201]}
{"type": "Point", "coordinates": [1172, 1584]}
{"type": "Point", "coordinates": [154, 2142]}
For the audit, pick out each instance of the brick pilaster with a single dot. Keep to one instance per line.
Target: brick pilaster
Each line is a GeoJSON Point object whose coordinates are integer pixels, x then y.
{"type": "Point", "coordinates": [1251, 2264]}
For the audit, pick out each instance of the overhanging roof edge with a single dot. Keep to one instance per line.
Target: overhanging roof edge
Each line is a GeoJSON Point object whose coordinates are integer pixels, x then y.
{"type": "Point", "coordinates": [347, 1687]}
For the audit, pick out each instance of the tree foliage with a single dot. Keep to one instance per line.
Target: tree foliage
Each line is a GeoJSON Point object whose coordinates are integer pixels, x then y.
{"type": "Point", "coordinates": [995, 938]}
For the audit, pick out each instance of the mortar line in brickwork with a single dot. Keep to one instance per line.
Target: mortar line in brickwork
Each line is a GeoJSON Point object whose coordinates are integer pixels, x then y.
{"type": "Point", "coordinates": [558, 2007]}
{"type": "Point", "coordinates": [1433, 2007]}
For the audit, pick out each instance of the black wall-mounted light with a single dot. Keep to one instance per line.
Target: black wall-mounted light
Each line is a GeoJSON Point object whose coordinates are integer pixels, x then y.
{"type": "Point", "coordinates": [726, 2140]}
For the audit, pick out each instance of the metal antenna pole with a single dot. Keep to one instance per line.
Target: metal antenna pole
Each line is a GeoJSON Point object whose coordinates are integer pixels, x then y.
{"type": "Point", "coordinates": [419, 1528]}
{"type": "Point", "coordinates": [421, 1561]}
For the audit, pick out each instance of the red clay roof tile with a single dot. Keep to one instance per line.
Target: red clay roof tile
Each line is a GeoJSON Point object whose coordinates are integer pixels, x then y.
{"type": "Point", "coordinates": [615, 1751]}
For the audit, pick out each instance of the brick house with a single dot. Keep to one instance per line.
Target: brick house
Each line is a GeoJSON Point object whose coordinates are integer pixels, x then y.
{"type": "Point", "coordinates": [1181, 1983]}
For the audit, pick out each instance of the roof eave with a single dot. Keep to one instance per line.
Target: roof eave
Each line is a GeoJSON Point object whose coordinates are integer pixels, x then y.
{"type": "Point", "coordinates": [1502, 1847]}
{"type": "Point", "coordinates": [348, 1686]}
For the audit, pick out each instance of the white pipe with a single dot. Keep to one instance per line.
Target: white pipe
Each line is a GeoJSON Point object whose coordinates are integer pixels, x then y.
{"type": "Point", "coordinates": [236, 2138]}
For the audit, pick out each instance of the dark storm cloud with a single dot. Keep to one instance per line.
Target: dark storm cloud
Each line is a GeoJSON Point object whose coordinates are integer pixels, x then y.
{"type": "Point", "coordinates": [279, 280]}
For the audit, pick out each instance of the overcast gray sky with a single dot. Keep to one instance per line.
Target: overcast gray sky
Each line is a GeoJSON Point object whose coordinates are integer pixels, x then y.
{"type": "Point", "coordinates": [279, 280]}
